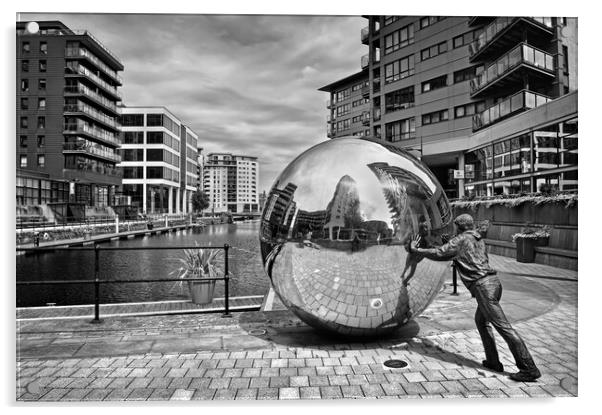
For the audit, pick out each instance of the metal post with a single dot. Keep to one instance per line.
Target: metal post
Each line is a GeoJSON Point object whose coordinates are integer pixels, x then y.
{"type": "Point", "coordinates": [96, 286]}
{"type": "Point", "coordinates": [226, 281]}
{"type": "Point", "coordinates": [455, 280]}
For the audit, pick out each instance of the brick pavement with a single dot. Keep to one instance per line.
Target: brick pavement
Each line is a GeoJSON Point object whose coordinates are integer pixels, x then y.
{"type": "Point", "coordinates": [146, 359]}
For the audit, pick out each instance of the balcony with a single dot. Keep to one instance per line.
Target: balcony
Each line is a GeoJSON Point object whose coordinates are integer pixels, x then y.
{"type": "Point", "coordinates": [365, 61]}
{"type": "Point", "coordinates": [94, 173]}
{"type": "Point", "coordinates": [479, 20]}
{"type": "Point", "coordinates": [504, 32]}
{"type": "Point", "coordinates": [91, 150]}
{"type": "Point", "coordinates": [522, 101]}
{"type": "Point", "coordinates": [84, 53]}
{"type": "Point", "coordinates": [96, 133]}
{"type": "Point", "coordinates": [366, 118]}
{"type": "Point", "coordinates": [509, 70]}
{"type": "Point", "coordinates": [80, 89]}
{"type": "Point", "coordinates": [376, 114]}
{"type": "Point", "coordinates": [79, 70]}
{"type": "Point", "coordinates": [92, 113]}
{"type": "Point", "coordinates": [376, 85]}
{"type": "Point", "coordinates": [366, 91]}
{"type": "Point", "coordinates": [364, 35]}
{"type": "Point", "coordinates": [328, 104]}
{"type": "Point", "coordinates": [98, 42]}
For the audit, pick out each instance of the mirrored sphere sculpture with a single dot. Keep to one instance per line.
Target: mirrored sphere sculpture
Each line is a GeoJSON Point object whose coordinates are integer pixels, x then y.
{"type": "Point", "coordinates": [334, 232]}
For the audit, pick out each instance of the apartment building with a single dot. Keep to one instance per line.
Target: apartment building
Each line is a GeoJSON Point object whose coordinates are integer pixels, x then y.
{"type": "Point", "coordinates": [230, 181]}
{"type": "Point", "coordinates": [488, 103]}
{"type": "Point", "coordinates": [348, 106]}
{"type": "Point", "coordinates": [66, 109]}
{"type": "Point", "coordinates": [158, 160]}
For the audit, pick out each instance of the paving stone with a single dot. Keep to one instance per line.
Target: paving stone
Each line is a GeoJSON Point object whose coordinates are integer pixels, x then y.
{"type": "Point", "coordinates": [331, 392]}
{"type": "Point", "coordinates": [267, 393]}
{"type": "Point", "coordinates": [246, 394]}
{"type": "Point", "coordinates": [318, 381]}
{"type": "Point", "coordinates": [372, 390]}
{"type": "Point", "coordinates": [118, 394]}
{"type": "Point", "coordinates": [288, 393]}
{"type": "Point", "coordinates": [182, 395]}
{"type": "Point", "coordinates": [299, 381]}
{"type": "Point", "coordinates": [219, 383]}
{"type": "Point", "coordinates": [225, 394]}
{"type": "Point", "coordinates": [203, 394]}
{"type": "Point", "coordinates": [96, 395]}
{"type": "Point", "coordinates": [309, 392]}
{"type": "Point", "coordinates": [139, 394]}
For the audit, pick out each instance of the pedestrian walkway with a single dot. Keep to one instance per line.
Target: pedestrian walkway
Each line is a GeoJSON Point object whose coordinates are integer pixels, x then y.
{"type": "Point", "coordinates": [273, 355]}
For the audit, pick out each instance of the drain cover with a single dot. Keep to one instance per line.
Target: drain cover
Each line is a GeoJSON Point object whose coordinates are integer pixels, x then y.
{"type": "Point", "coordinates": [257, 332]}
{"type": "Point", "coordinates": [395, 363]}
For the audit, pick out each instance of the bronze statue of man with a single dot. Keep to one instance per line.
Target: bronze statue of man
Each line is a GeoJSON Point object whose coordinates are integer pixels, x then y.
{"type": "Point", "coordinates": [468, 252]}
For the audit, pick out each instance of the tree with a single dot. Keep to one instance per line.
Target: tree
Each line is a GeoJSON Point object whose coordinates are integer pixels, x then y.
{"type": "Point", "coordinates": [200, 201]}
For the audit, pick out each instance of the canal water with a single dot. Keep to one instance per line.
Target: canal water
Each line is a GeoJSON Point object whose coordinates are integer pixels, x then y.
{"type": "Point", "coordinates": [246, 270]}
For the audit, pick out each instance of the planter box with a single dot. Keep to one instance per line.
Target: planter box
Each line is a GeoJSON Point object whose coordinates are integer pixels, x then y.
{"type": "Point", "coordinates": [525, 250]}
{"type": "Point", "coordinates": [201, 292]}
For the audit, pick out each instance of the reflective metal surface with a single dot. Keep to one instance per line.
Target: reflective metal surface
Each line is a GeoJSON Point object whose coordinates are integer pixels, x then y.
{"type": "Point", "coordinates": [334, 232]}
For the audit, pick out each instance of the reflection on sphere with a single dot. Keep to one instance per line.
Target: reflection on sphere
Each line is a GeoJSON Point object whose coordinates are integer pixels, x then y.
{"type": "Point", "coordinates": [334, 232]}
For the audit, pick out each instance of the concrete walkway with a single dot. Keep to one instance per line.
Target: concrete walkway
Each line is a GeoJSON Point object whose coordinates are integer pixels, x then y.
{"type": "Point", "coordinates": [273, 355]}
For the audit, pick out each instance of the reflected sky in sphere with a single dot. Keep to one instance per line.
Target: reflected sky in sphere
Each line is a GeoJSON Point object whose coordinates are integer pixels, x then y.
{"type": "Point", "coordinates": [334, 230]}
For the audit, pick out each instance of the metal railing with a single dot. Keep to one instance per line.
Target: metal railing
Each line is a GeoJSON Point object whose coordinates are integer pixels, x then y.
{"type": "Point", "coordinates": [521, 54]}
{"type": "Point", "coordinates": [97, 282]}
{"type": "Point", "coordinates": [499, 24]}
{"type": "Point", "coordinates": [82, 89]}
{"type": "Point", "coordinates": [88, 148]}
{"type": "Point", "coordinates": [79, 51]}
{"type": "Point", "coordinates": [522, 100]}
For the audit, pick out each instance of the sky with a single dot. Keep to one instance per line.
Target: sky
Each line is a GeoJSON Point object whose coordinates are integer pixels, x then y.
{"type": "Point", "coordinates": [246, 84]}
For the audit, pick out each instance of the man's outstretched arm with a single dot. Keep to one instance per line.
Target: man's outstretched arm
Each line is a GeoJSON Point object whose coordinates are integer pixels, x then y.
{"type": "Point", "coordinates": [444, 252]}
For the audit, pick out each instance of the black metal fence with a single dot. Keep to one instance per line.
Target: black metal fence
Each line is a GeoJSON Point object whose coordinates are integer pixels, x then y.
{"type": "Point", "coordinates": [97, 282]}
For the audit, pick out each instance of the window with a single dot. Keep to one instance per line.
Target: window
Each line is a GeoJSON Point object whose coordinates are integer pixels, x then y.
{"type": "Point", "coordinates": [399, 69]}
{"type": "Point", "coordinates": [23, 161]}
{"type": "Point", "coordinates": [43, 66]}
{"type": "Point", "coordinates": [433, 51]}
{"type": "Point", "coordinates": [154, 120]}
{"type": "Point", "coordinates": [155, 137]}
{"type": "Point", "coordinates": [43, 48]}
{"type": "Point", "coordinates": [429, 20]}
{"type": "Point", "coordinates": [343, 125]}
{"type": "Point", "coordinates": [400, 99]}
{"type": "Point", "coordinates": [41, 122]}
{"type": "Point", "coordinates": [131, 120]}
{"type": "Point", "coordinates": [41, 160]}
{"type": "Point", "coordinates": [41, 141]}
{"type": "Point", "coordinates": [41, 103]}
{"type": "Point", "coordinates": [133, 137]}
{"type": "Point", "coordinates": [24, 85]}
{"type": "Point", "coordinates": [391, 19]}
{"type": "Point", "coordinates": [466, 38]}
{"type": "Point", "coordinates": [155, 155]}
{"type": "Point", "coordinates": [23, 141]}
{"type": "Point", "coordinates": [435, 117]}
{"type": "Point", "coordinates": [42, 84]}
{"type": "Point", "coordinates": [435, 83]}
{"type": "Point", "coordinates": [25, 65]}
{"type": "Point", "coordinates": [342, 110]}
{"type": "Point", "coordinates": [24, 103]}
{"type": "Point", "coordinates": [399, 130]}
{"type": "Point", "coordinates": [467, 74]}
{"type": "Point", "coordinates": [399, 39]}
{"type": "Point", "coordinates": [344, 94]}
{"type": "Point", "coordinates": [23, 123]}
{"type": "Point", "coordinates": [469, 109]}
{"type": "Point", "coordinates": [565, 58]}
{"type": "Point", "coordinates": [25, 47]}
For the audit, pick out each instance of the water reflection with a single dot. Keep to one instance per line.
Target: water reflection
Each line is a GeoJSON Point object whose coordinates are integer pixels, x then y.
{"type": "Point", "coordinates": [248, 277]}
{"type": "Point", "coordinates": [333, 233]}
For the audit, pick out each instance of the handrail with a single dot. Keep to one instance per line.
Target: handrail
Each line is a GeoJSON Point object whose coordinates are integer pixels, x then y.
{"type": "Point", "coordinates": [97, 282]}
{"type": "Point", "coordinates": [496, 27]}
{"type": "Point", "coordinates": [522, 53]}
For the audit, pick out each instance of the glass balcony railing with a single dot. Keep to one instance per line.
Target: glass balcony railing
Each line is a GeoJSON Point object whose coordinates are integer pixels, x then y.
{"type": "Point", "coordinates": [523, 100]}
{"type": "Point", "coordinates": [499, 24]}
{"type": "Point", "coordinates": [87, 33]}
{"type": "Point", "coordinates": [366, 118]}
{"type": "Point", "coordinates": [95, 78]}
{"type": "Point", "coordinates": [376, 114]}
{"type": "Point", "coordinates": [81, 127]}
{"type": "Point", "coordinates": [328, 104]}
{"type": "Point", "coordinates": [364, 34]}
{"type": "Point", "coordinates": [76, 52]}
{"type": "Point", "coordinates": [522, 54]}
{"type": "Point", "coordinates": [91, 149]}
{"type": "Point", "coordinates": [80, 107]}
{"type": "Point", "coordinates": [82, 89]}
{"type": "Point", "coordinates": [364, 62]}
{"type": "Point", "coordinates": [94, 168]}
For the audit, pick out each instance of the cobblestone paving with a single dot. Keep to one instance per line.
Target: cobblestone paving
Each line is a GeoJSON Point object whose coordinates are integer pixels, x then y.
{"type": "Point", "coordinates": [207, 357]}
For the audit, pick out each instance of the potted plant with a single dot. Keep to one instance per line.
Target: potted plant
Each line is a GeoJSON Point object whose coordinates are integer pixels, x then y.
{"type": "Point", "coordinates": [199, 263]}
{"type": "Point", "coordinates": [527, 239]}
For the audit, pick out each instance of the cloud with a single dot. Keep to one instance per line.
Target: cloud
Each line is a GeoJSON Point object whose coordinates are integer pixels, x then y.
{"type": "Point", "coordinates": [245, 84]}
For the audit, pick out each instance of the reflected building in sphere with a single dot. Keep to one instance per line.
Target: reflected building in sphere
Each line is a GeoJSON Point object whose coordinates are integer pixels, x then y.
{"type": "Point", "coordinates": [334, 234]}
